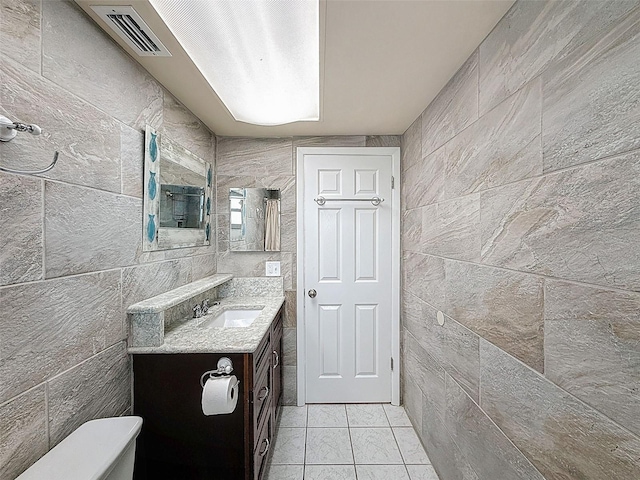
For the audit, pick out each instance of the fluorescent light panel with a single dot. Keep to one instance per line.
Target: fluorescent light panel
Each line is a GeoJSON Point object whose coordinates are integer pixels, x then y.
{"type": "Point", "coordinates": [262, 57]}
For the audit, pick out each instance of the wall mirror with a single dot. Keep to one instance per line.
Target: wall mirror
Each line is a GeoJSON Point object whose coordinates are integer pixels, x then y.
{"type": "Point", "coordinates": [254, 220]}
{"type": "Point", "coordinates": [177, 195]}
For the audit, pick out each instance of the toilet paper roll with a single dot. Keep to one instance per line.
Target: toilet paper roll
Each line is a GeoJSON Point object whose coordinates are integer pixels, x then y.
{"type": "Point", "coordinates": [220, 395]}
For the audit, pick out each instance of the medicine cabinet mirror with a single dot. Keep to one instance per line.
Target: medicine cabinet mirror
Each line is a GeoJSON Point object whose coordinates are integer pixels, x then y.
{"type": "Point", "coordinates": [177, 195]}
{"type": "Point", "coordinates": [254, 220]}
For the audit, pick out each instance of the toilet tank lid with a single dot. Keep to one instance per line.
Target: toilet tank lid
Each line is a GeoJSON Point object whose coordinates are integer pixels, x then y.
{"type": "Point", "coordinates": [88, 453]}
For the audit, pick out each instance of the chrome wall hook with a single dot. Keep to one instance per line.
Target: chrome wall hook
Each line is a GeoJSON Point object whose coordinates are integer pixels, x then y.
{"type": "Point", "coordinates": [8, 131]}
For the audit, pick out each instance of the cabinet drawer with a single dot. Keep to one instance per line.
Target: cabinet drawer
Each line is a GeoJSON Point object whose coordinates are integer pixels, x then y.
{"type": "Point", "coordinates": [262, 395]}
{"type": "Point", "coordinates": [277, 326]}
{"type": "Point", "coordinates": [261, 357]}
{"type": "Point", "coordinates": [261, 452]}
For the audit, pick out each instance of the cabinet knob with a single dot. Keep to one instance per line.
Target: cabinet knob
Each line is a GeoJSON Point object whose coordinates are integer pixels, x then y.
{"type": "Point", "coordinates": [266, 448]}
{"type": "Point", "coordinates": [313, 293]}
{"type": "Point", "coordinates": [277, 362]}
{"type": "Point", "coordinates": [266, 393]}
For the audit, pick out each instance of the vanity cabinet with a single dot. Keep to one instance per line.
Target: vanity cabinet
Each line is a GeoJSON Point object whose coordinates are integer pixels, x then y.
{"type": "Point", "coordinates": [178, 441]}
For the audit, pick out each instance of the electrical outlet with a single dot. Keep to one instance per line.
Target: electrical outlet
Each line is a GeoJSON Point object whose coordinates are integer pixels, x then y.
{"type": "Point", "coordinates": [272, 269]}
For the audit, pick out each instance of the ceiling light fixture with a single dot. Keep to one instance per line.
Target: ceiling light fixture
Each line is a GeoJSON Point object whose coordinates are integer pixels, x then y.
{"type": "Point", "coordinates": [262, 57]}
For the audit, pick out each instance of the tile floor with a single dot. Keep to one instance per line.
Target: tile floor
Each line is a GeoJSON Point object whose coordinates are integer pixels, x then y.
{"type": "Point", "coordinates": [348, 442]}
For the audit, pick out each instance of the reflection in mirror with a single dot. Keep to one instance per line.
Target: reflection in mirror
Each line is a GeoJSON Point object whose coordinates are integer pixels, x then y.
{"type": "Point", "coordinates": [254, 220]}
{"type": "Point", "coordinates": [181, 206]}
{"type": "Point", "coordinates": [177, 199]}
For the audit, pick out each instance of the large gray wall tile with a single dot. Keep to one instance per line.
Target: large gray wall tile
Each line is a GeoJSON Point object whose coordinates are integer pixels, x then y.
{"type": "Point", "coordinates": [577, 224]}
{"type": "Point", "coordinates": [288, 233]}
{"type": "Point", "coordinates": [254, 156]}
{"type": "Point", "coordinates": [23, 423]}
{"type": "Point", "coordinates": [419, 319]}
{"type": "Point", "coordinates": [532, 35]}
{"type": "Point", "coordinates": [592, 347]}
{"type": "Point", "coordinates": [452, 229]}
{"type": "Point", "coordinates": [330, 141]}
{"type": "Point", "coordinates": [50, 326]}
{"type": "Point", "coordinates": [411, 145]}
{"type": "Point", "coordinates": [78, 56]}
{"type": "Point", "coordinates": [21, 220]}
{"type": "Point", "coordinates": [502, 147]}
{"type": "Point", "coordinates": [132, 158]}
{"type": "Point", "coordinates": [88, 140]}
{"type": "Point", "coordinates": [88, 230]}
{"type": "Point", "coordinates": [427, 373]}
{"type": "Point", "coordinates": [184, 128]}
{"type": "Point", "coordinates": [290, 308]}
{"type": "Point", "coordinates": [423, 183]}
{"type": "Point", "coordinates": [424, 277]}
{"type": "Point", "coordinates": [412, 400]}
{"type": "Point", "coordinates": [462, 357]}
{"type": "Point", "coordinates": [455, 108]}
{"type": "Point", "coordinates": [146, 281]}
{"type": "Point", "coordinates": [247, 264]}
{"type": "Point", "coordinates": [411, 230]}
{"type": "Point", "coordinates": [484, 445]}
{"type": "Point", "coordinates": [289, 347]}
{"type": "Point", "coordinates": [563, 437]}
{"type": "Point", "coordinates": [96, 388]}
{"type": "Point", "coordinates": [222, 232]}
{"type": "Point", "coordinates": [204, 266]}
{"type": "Point", "coordinates": [289, 385]}
{"type": "Point", "coordinates": [504, 307]}
{"type": "Point", "coordinates": [591, 106]}
{"type": "Point", "coordinates": [20, 37]}
{"type": "Point", "coordinates": [383, 141]}
{"type": "Point", "coordinates": [443, 452]}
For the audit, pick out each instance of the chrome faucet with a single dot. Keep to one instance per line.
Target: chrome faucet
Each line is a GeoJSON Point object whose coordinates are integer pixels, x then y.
{"type": "Point", "coordinates": [202, 309]}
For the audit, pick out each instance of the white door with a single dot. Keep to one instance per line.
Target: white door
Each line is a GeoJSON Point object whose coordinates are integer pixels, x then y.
{"type": "Point", "coordinates": [347, 276]}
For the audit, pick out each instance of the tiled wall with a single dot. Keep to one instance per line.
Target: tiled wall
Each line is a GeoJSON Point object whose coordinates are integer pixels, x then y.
{"type": "Point", "coordinates": [270, 163]}
{"type": "Point", "coordinates": [521, 190]}
{"type": "Point", "coordinates": [71, 258]}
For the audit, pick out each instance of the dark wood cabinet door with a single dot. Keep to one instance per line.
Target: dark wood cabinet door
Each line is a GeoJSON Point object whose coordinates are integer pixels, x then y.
{"type": "Point", "coordinates": [177, 440]}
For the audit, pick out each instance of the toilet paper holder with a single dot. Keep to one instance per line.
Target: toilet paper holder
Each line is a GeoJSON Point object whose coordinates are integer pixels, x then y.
{"type": "Point", "coordinates": [225, 367]}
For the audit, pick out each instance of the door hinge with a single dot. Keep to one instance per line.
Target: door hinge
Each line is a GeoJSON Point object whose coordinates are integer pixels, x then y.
{"type": "Point", "coordinates": [392, 364]}
{"type": "Point", "coordinates": [393, 183]}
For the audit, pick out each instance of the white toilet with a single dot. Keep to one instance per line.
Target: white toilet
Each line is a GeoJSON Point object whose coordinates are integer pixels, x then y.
{"type": "Point", "coordinates": [101, 449]}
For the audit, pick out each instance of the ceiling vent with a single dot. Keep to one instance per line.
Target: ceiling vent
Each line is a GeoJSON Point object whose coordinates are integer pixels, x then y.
{"type": "Point", "coordinates": [129, 26]}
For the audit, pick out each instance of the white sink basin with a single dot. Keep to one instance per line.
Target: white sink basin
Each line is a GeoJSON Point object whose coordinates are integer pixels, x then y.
{"type": "Point", "coordinates": [234, 318]}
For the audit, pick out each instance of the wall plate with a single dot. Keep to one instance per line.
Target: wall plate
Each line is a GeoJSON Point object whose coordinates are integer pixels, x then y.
{"type": "Point", "coordinates": [272, 269]}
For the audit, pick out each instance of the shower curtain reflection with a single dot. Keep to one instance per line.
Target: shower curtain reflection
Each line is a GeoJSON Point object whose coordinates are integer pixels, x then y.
{"type": "Point", "coordinates": [272, 227]}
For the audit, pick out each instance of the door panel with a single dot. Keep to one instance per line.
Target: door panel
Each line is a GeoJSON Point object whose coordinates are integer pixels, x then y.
{"type": "Point", "coordinates": [348, 261]}
{"type": "Point", "coordinates": [329, 340]}
{"type": "Point", "coordinates": [330, 245]}
{"type": "Point", "coordinates": [366, 340]}
{"type": "Point", "coordinates": [366, 247]}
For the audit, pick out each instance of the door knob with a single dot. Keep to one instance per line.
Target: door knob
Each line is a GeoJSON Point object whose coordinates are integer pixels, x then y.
{"type": "Point", "coordinates": [312, 293]}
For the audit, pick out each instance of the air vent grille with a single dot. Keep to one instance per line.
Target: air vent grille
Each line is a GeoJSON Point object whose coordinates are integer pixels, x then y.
{"type": "Point", "coordinates": [129, 26]}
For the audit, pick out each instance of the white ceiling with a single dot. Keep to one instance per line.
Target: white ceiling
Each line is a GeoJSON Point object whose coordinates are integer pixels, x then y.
{"type": "Point", "coordinates": [382, 63]}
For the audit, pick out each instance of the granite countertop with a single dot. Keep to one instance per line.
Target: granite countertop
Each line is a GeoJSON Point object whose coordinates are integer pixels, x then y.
{"type": "Point", "coordinates": [173, 297]}
{"type": "Point", "coordinates": [190, 336]}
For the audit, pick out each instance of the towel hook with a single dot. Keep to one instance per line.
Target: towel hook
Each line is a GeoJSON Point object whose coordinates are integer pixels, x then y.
{"type": "Point", "coordinates": [8, 131]}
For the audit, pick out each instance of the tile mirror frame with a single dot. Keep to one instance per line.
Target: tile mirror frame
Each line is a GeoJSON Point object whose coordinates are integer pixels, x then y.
{"type": "Point", "coordinates": [159, 151]}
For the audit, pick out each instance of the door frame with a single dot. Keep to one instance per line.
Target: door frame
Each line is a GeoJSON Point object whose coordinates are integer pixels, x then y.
{"type": "Point", "coordinates": [394, 153]}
